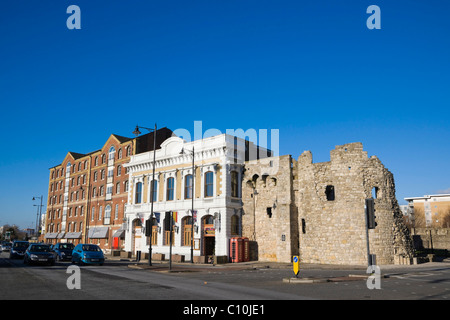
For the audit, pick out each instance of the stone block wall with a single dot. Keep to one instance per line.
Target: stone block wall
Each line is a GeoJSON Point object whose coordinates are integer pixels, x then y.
{"type": "Point", "coordinates": [268, 217]}
{"type": "Point", "coordinates": [317, 210]}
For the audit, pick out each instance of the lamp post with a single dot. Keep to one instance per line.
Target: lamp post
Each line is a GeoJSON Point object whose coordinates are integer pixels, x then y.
{"type": "Point", "coordinates": [38, 218]}
{"type": "Point", "coordinates": [136, 132]}
{"type": "Point", "coordinates": [192, 196]}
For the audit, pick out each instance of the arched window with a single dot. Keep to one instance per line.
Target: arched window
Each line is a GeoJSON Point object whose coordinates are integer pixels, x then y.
{"type": "Point", "coordinates": [188, 186]}
{"type": "Point", "coordinates": [111, 153]}
{"type": "Point", "coordinates": [119, 156]}
{"type": "Point", "coordinates": [209, 184]}
{"type": "Point", "coordinates": [186, 224]}
{"type": "Point", "coordinates": [107, 218]}
{"type": "Point", "coordinates": [119, 170]}
{"type": "Point", "coordinates": [170, 188]}
{"type": "Point", "coordinates": [138, 193]}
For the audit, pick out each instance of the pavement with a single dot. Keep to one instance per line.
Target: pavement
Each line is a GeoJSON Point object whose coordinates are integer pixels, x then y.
{"type": "Point", "coordinates": [354, 272]}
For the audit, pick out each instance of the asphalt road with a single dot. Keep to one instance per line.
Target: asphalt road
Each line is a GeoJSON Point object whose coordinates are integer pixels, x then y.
{"type": "Point", "coordinates": [115, 280]}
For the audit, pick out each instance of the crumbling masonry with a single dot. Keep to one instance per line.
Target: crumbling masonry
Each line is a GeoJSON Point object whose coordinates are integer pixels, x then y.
{"type": "Point", "coordinates": [316, 210]}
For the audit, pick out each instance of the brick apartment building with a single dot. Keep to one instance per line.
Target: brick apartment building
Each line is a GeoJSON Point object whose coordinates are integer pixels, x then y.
{"type": "Point", "coordinates": [87, 193]}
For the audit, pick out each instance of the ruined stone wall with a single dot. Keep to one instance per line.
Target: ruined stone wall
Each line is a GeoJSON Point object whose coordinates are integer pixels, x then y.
{"type": "Point", "coordinates": [334, 230]}
{"type": "Point", "coordinates": [268, 216]}
{"type": "Point", "coordinates": [319, 209]}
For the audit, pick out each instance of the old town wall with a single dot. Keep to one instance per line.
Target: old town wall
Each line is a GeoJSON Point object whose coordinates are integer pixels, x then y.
{"type": "Point", "coordinates": [317, 209]}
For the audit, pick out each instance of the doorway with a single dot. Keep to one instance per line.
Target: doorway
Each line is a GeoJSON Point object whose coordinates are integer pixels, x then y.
{"type": "Point", "coordinates": [210, 243]}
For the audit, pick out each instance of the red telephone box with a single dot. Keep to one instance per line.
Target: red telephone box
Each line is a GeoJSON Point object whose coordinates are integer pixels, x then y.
{"type": "Point", "coordinates": [246, 249]}
{"type": "Point", "coordinates": [239, 249]}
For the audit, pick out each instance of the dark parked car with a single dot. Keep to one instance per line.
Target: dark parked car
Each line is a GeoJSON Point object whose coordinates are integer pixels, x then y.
{"type": "Point", "coordinates": [18, 249]}
{"type": "Point", "coordinates": [63, 251]}
{"type": "Point", "coordinates": [6, 246]}
{"type": "Point", "coordinates": [39, 253]}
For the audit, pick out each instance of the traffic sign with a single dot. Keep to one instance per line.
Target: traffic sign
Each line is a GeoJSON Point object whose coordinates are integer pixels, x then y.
{"type": "Point", "coordinates": [296, 265]}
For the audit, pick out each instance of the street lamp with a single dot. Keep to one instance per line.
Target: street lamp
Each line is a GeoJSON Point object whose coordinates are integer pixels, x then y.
{"type": "Point", "coordinates": [192, 196]}
{"type": "Point", "coordinates": [136, 132]}
{"type": "Point", "coordinates": [38, 218]}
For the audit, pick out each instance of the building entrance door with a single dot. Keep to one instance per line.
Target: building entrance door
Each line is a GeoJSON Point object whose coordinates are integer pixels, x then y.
{"type": "Point", "coordinates": [210, 243]}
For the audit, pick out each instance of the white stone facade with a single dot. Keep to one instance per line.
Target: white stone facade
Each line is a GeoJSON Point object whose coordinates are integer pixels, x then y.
{"type": "Point", "coordinates": [218, 207]}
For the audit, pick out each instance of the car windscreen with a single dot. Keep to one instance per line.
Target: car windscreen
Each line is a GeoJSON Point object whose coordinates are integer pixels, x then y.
{"type": "Point", "coordinates": [39, 248]}
{"type": "Point", "coordinates": [91, 248]}
{"type": "Point", "coordinates": [66, 246]}
{"type": "Point", "coordinates": [20, 245]}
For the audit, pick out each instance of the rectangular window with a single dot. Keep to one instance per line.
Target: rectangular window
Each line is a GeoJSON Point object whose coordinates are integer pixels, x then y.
{"type": "Point", "coordinates": [170, 188]}
{"type": "Point", "coordinates": [138, 194]}
{"type": "Point", "coordinates": [188, 187]}
{"type": "Point", "coordinates": [153, 191]}
{"type": "Point", "coordinates": [209, 187]}
{"type": "Point", "coordinates": [234, 184]}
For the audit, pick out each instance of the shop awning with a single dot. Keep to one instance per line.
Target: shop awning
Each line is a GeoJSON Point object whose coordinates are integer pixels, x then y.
{"type": "Point", "coordinates": [119, 233]}
{"type": "Point", "coordinates": [60, 235]}
{"type": "Point", "coordinates": [73, 235]}
{"type": "Point", "coordinates": [51, 235]}
{"type": "Point", "coordinates": [98, 232]}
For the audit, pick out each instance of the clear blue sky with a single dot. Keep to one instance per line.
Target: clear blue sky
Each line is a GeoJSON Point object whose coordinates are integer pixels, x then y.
{"type": "Point", "coordinates": [311, 69]}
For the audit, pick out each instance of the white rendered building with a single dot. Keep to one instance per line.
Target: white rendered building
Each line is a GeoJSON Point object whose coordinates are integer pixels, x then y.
{"type": "Point", "coordinates": [215, 184]}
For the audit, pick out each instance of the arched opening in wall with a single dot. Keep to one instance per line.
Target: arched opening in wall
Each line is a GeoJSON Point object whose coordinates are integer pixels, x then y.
{"type": "Point", "coordinates": [272, 182]}
{"type": "Point", "coordinates": [136, 234]}
{"type": "Point", "coordinates": [329, 192]}
{"type": "Point", "coordinates": [264, 179]}
{"type": "Point", "coordinates": [209, 235]}
{"type": "Point", "coordinates": [255, 179]}
{"type": "Point", "coordinates": [375, 192]}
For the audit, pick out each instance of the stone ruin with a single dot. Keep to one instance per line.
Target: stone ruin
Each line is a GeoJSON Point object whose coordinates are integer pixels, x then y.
{"type": "Point", "coordinates": [317, 210]}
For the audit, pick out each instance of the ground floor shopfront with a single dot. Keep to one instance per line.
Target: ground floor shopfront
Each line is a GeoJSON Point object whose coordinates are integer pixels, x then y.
{"type": "Point", "coordinates": [107, 238]}
{"type": "Point", "coordinates": [206, 233]}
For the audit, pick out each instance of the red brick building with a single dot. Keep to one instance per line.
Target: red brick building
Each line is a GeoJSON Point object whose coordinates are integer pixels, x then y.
{"type": "Point", "coordinates": [87, 193]}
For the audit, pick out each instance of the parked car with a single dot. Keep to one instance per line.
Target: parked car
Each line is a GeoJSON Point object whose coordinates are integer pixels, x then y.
{"type": "Point", "coordinates": [6, 246]}
{"type": "Point", "coordinates": [88, 254]}
{"type": "Point", "coordinates": [18, 249]}
{"type": "Point", "coordinates": [39, 253]}
{"type": "Point", "coordinates": [63, 251]}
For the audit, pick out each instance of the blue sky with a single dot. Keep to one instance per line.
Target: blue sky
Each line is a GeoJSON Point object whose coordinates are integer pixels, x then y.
{"type": "Point", "coordinates": [311, 69]}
